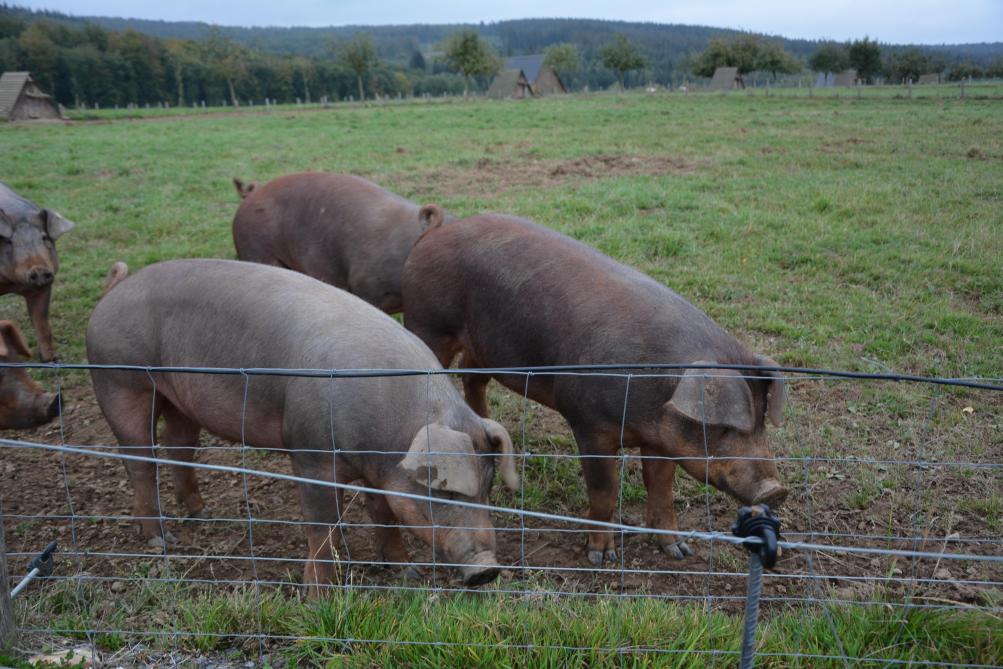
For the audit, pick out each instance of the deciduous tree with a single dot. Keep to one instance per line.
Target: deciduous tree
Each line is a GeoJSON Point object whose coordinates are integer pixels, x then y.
{"type": "Point", "coordinates": [865, 56]}
{"type": "Point", "coordinates": [359, 56]}
{"type": "Point", "coordinates": [829, 58]}
{"type": "Point", "coordinates": [470, 55]}
{"type": "Point", "coordinates": [226, 59]}
{"type": "Point", "coordinates": [621, 56]}
{"type": "Point", "coordinates": [562, 58]}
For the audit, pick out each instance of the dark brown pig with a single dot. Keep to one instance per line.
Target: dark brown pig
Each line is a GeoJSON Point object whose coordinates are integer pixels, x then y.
{"type": "Point", "coordinates": [23, 403]}
{"type": "Point", "coordinates": [510, 293]}
{"type": "Point", "coordinates": [28, 261]}
{"type": "Point", "coordinates": [339, 228]}
{"type": "Point", "coordinates": [410, 434]}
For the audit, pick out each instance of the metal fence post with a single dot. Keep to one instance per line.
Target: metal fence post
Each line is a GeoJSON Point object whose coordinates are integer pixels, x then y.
{"type": "Point", "coordinates": [751, 611]}
{"type": "Point", "coordinates": [756, 521]}
{"type": "Point", "coordinates": [6, 609]}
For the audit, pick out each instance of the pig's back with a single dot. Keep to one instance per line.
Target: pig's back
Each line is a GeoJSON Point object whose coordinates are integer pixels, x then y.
{"type": "Point", "coordinates": [226, 313]}
{"type": "Point", "coordinates": [565, 302]}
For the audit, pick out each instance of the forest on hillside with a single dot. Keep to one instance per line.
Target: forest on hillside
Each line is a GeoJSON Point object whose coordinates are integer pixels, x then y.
{"type": "Point", "coordinates": [114, 61]}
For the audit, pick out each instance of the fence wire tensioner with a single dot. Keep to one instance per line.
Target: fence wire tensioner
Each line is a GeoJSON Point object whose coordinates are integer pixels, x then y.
{"type": "Point", "coordinates": [41, 565]}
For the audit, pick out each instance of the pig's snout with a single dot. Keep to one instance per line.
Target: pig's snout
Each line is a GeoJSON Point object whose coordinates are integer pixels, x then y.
{"type": "Point", "coordinates": [482, 569]}
{"type": "Point", "coordinates": [40, 276]}
{"type": "Point", "coordinates": [771, 492]}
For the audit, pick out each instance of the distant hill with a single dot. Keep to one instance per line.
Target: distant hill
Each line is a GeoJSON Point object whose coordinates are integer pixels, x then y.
{"type": "Point", "coordinates": [664, 44]}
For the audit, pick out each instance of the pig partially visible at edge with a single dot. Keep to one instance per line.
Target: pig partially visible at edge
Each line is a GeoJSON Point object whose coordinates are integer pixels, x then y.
{"type": "Point", "coordinates": [390, 432]}
{"type": "Point", "coordinates": [510, 293]}
{"type": "Point", "coordinates": [23, 403]}
{"type": "Point", "coordinates": [28, 261]}
{"type": "Point", "coordinates": [341, 229]}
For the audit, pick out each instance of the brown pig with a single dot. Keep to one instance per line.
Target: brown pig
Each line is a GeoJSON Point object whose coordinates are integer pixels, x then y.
{"type": "Point", "coordinates": [510, 293]}
{"type": "Point", "coordinates": [339, 228]}
{"type": "Point", "coordinates": [408, 434]}
{"type": "Point", "coordinates": [28, 260]}
{"type": "Point", "coordinates": [23, 403]}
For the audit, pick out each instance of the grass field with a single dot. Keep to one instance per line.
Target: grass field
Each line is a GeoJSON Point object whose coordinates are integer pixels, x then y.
{"type": "Point", "coordinates": [861, 234]}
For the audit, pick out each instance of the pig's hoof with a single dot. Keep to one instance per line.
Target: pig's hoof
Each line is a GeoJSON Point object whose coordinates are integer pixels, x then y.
{"type": "Point", "coordinates": [679, 550]}
{"type": "Point", "coordinates": [413, 573]}
{"type": "Point", "coordinates": [596, 557]}
{"type": "Point", "coordinates": [201, 514]}
{"type": "Point", "coordinates": [162, 542]}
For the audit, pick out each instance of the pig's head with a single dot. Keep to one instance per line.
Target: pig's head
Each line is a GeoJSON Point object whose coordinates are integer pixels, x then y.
{"type": "Point", "coordinates": [28, 248]}
{"type": "Point", "coordinates": [450, 464]}
{"type": "Point", "coordinates": [23, 403]}
{"type": "Point", "coordinates": [718, 413]}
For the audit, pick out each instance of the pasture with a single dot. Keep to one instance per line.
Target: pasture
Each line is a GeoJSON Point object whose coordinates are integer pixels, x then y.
{"type": "Point", "coordinates": [842, 233]}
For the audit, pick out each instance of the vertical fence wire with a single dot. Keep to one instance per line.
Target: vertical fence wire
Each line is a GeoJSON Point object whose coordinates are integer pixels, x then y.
{"type": "Point", "coordinates": [813, 537]}
{"type": "Point", "coordinates": [74, 541]}
{"type": "Point", "coordinates": [623, 463]}
{"type": "Point", "coordinates": [708, 601]}
{"type": "Point", "coordinates": [339, 510]}
{"type": "Point", "coordinates": [250, 518]}
{"type": "Point", "coordinates": [165, 536]}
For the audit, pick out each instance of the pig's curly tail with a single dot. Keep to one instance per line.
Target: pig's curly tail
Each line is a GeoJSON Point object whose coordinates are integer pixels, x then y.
{"type": "Point", "coordinates": [116, 274]}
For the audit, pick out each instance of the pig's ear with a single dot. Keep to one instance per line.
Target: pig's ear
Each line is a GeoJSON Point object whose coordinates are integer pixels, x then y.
{"type": "Point", "coordinates": [12, 341]}
{"type": "Point", "coordinates": [501, 443]}
{"type": "Point", "coordinates": [443, 459]}
{"type": "Point", "coordinates": [431, 216]}
{"type": "Point", "coordinates": [6, 225]}
{"type": "Point", "coordinates": [243, 189]}
{"type": "Point", "coordinates": [715, 397]}
{"type": "Point", "coordinates": [776, 394]}
{"type": "Point", "coordinates": [55, 225]}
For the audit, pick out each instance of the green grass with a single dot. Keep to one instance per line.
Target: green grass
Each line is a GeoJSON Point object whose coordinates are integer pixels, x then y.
{"type": "Point", "coordinates": [823, 231]}
{"type": "Point", "coordinates": [832, 232]}
{"type": "Point", "coordinates": [445, 630]}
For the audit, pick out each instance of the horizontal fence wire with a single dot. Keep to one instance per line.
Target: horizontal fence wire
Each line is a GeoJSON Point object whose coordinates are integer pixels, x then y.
{"type": "Point", "coordinates": [902, 570]}
{"type": "Point", "coordinates": [539, 515]}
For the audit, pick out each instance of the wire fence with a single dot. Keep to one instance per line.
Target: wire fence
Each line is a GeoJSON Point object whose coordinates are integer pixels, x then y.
{"type": "Point", "coordinates": [894, 515]}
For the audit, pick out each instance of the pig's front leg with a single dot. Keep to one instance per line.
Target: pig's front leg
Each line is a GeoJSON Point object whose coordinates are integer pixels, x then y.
{"type": "Point", "coordinates": [38, 310]}
{"type": "Point", "coordinates": [599, 466]}
{"type": "Point", "coordinates": [322, 507]}
{"type": "Point", "coordinates": [390, 547]}
{"type": "Point", "coordinates": [660, 514]}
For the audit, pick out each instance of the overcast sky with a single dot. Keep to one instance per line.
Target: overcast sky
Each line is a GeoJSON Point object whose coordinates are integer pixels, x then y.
{"type": "Point", "coordinates": [895, 21]}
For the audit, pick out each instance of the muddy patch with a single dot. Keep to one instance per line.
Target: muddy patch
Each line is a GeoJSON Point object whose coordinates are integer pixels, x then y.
{"type": "Point", "coordinates": [490, 176]}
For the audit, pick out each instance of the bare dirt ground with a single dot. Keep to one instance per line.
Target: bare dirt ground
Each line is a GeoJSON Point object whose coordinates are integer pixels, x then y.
{"type": "Point", "coordinates": [943, 507]}
{"type": "Point", "coordinates": [489, 174]}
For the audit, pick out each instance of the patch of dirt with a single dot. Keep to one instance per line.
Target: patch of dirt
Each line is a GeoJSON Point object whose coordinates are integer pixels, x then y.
{"type": "Point", "coordinates": [841, 144]}
{"type": "Point", "coordinates": [829, 500]}
{"type": "Point", "coordinates": [488, 175]}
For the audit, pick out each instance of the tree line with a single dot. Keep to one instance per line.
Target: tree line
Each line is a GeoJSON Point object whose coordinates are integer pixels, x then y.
{"type": "Point", "coordinates": [89, 65]}
{"type": "Point", "coordinates": [81, 62]}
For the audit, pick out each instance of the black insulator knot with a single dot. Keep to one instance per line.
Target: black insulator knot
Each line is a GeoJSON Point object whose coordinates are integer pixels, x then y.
{"type": "Point", "coordinates": [43, 561]}
{"type": "Point", "coordinates": [757, 521]}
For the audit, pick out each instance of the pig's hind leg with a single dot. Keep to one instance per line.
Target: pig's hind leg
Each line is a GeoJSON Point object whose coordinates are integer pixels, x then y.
{"type": "Point", "coordinates": [130, 414]}
{"type": "Point", "coordinates": [180, 437]}
{"type": "Point", "coordinates": [475, 386]}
